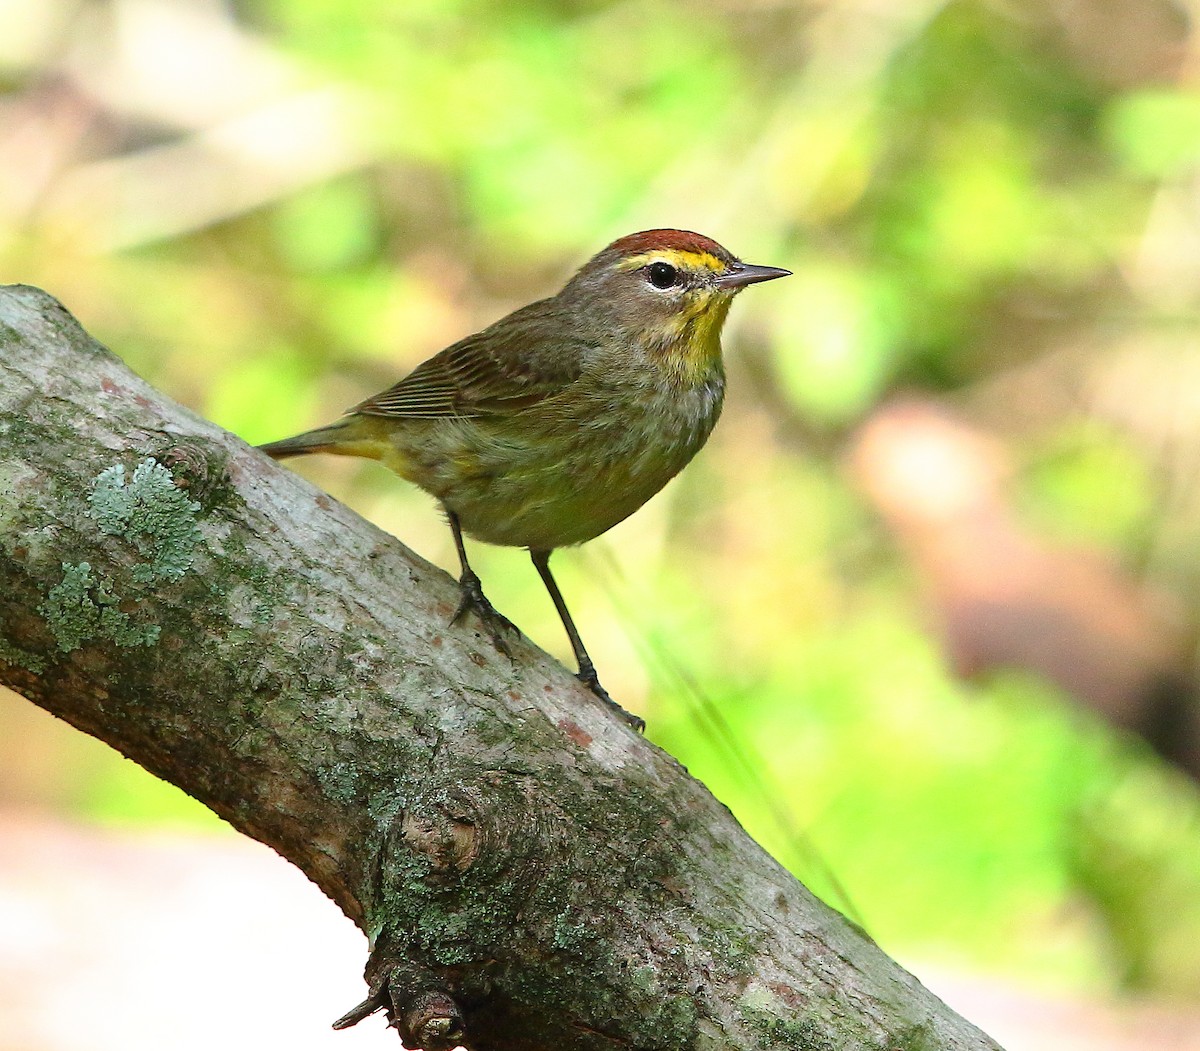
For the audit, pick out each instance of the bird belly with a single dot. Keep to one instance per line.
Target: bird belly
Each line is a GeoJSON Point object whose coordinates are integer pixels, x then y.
{"type": "Point", "coordinates": [542, 479]}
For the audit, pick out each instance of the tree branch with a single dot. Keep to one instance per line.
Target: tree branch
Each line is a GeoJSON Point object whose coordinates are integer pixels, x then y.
{"type": "Point", "coordinates": [531, 873]}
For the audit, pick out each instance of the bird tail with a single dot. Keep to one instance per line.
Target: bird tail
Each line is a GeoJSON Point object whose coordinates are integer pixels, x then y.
{"type": "Point", "coordinates": [322, 440]}
{"type": "Point", "coordinates": [354, 436]}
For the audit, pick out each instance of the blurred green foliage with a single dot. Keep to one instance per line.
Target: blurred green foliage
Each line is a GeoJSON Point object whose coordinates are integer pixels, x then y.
{"type": "Point", "coordinates": [990, 202]}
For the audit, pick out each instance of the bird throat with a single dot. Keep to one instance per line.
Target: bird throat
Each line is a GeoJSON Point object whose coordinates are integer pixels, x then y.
{"type": "Point", "coordinates": [692, 353]}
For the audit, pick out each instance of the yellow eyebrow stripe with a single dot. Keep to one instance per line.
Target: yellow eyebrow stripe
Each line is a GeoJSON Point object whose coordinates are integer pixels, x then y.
{"type": "Point", "coordinates": [681, 259]}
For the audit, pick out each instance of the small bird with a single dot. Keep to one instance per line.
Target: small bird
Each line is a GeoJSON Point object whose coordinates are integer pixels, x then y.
{"type": "Point", "coordinates": [555, 423]}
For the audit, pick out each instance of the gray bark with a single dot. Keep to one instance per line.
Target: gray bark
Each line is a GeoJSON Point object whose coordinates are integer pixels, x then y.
{"type": "Point", "coordinates": [529, 871]}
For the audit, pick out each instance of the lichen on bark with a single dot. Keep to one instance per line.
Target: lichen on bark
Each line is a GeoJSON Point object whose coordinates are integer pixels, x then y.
{"type": "Point", "coordinates": [83, 607]}
{"type": "Point", "coordinates": [152, 513]}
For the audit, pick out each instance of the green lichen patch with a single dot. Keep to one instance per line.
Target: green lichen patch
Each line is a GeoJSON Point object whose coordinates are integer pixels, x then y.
{"type": "Point", "coordinates": [83, 608]}
{"type": "Point", "coordinates": [774, 1032]}
{"type": "Point", "coordinates": [19, 658]}
{"type": "Point", "coordinates": [920, 1036]}
{"type": "Point", "coordinates": [151, 513]}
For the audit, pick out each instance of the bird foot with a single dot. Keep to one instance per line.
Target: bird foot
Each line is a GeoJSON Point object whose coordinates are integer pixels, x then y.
{"type": "Point", "coordinates": [588, 677]}
{"type": "Point", "coordinates": [473, 600]}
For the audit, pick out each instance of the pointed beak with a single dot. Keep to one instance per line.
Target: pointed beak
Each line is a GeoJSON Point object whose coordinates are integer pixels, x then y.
{"type": "Point", "coordinates": [741, 274]}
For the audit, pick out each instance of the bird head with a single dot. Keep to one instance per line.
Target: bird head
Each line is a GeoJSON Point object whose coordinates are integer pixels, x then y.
{"type": "Point", "coordinates": [668, 289]}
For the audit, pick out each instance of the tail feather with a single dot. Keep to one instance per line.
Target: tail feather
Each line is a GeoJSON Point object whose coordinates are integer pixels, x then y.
{"type": "Point", "coordinates": [323, 439]}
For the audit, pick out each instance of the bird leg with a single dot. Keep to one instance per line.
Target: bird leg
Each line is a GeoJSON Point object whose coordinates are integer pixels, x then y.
{"type": "Point", "coordinates": [587, 670]}
{"type": "Point", "coordinates": [473, 600]}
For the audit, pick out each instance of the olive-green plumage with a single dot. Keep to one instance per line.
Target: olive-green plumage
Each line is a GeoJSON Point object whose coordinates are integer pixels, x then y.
{"type": "Point", "coordinates": [556, 422]}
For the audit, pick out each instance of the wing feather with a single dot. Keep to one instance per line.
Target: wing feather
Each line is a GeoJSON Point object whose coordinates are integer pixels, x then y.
{"type": "Point", "coordinates": [500, 371]}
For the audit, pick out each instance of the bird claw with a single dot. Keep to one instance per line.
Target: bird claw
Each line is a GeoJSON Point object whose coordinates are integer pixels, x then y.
{"type": "Point", "coordinates": [588, 677]}
{"type": "Point", "coordinates": [473, 600]}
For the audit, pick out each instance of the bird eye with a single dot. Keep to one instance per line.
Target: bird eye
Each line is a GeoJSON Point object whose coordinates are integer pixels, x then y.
{"type": "Point", "coordinates": [662, 275]}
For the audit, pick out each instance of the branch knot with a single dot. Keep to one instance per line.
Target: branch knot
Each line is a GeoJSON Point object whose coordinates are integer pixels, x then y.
{"type": "Point", "coordinates": [420, 1009]}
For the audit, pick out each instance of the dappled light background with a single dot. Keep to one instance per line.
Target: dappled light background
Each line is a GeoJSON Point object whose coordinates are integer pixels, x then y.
{"type": "Point", "coordinates": [924, 611]}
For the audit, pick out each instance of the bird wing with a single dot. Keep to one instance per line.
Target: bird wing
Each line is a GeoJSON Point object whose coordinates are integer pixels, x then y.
{"type": "Point", "coordinates": [507, 367]}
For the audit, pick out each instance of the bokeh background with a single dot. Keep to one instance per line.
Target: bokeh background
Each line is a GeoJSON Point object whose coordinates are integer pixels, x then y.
{"type": "Point", "coordinates": [924, 611]}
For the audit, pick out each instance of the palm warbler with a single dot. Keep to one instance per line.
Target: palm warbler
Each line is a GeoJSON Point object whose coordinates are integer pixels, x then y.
{"type": "Point", "coordinates": [560, 420]}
